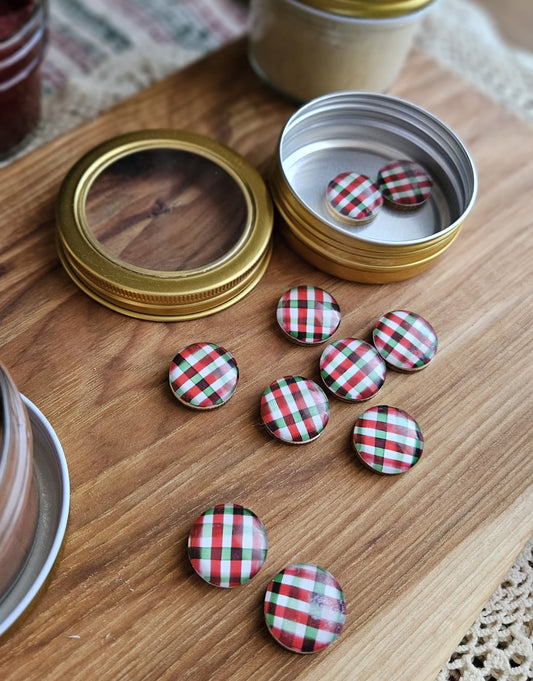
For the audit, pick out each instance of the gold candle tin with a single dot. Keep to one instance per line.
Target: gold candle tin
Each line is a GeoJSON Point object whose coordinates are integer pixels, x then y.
{"type": "Point", "coordinates": [307, 48]}
{"type": "Point", "coordinates": [362, 132]}
{"type": "Point", "coordinates": [164, 225]}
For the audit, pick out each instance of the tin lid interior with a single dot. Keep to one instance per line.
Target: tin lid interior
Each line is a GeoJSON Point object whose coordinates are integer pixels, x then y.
{"type": "Point", "coordinates": [369, 9]}
{"type": "Point", "coordinates": [164, 225]}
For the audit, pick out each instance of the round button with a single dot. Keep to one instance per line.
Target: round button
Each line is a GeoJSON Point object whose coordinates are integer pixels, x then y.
{"type": "Point", "coordinates": [387, 440]}
{"type": "Point", "coordinates": [305, 608]}
{"type": "Point", "coordinates": [203, 375]}
{"type": "Point", "coordinates": [227, 545]}
{"type": "Point", "coordinates": [294, 409]}
{"type": "Point", "coordinates": [354, 197]}
{"type": "Point", "coordinates": [404, 184]}
{"type": "Point", "coordinates": [308, 315]}
{"type": "Point", "coordinates": [405, 340]}
{"type": "Point", "coordinates": [352, 369]}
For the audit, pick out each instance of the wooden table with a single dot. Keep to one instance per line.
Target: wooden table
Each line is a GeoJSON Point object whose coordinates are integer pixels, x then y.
{"type": "Point", "coordinates": [417, 555]}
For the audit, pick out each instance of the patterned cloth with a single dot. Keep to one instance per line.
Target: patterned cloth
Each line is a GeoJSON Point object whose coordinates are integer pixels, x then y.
{"type": "Point", "coordinates": [227, 545]}
{"type": "Point", "coordinates": [305, 608]}
{"type": "Point", "coordinates": [308, 314]}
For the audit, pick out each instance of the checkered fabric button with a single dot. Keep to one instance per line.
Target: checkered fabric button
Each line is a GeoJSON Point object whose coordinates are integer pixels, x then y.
{"type": "Point", "coordinates": [203, 375]}
{"type": "Point", "coordinates": [352, 369]}
{"type": "Point", "coordinates": [405, 340]}
{"type": "Point", "coordinates": [387, 440]}
{"type": "Point", "coordinates": [294, 409]}
{"type": "Point", "coordinates": [353, 197]}
{"type": "Point", "coordinates": [308, 315]}
{"type": "Point", "coordinates": [305, 608]}
{"type": "Point", "coordinates": [405, 184]}
{"type": "Point", "coordinates": [227, 545]}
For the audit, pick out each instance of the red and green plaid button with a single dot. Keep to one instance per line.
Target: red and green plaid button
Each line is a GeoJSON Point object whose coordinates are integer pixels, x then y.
{"type": "Point", "coordinates": [203, 375]}
{"type": "Point", "coordinates": [405, 184]}
{"type": "Point", "coordinates": [227, 545]}
{"type": "Point", "coordinates": [387, 440]}
{"type": "Point", "coordinates": [405, 340]}
{"type": "Point", "coordinates": [305, 608]}
{"type": "Point", "coordinates": [354, 197]}
{"type": "Point", "coordinates": [294, 409]}
{"type": "Point", "coordinates": [352, 369]}
{"type": "Point", "coordinates": [308, 315]}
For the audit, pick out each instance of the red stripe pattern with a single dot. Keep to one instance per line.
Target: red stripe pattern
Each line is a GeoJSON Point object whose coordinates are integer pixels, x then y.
{"type": "Point", "coordinates": [305, 608]}
{"type": "Point", "coordinates": [405, 340]}
{"type": "Point", "coordinates": [405, 184]}
{"type": "Point", "coordinates": [294, 409]}
{"type": "Point", "coordinates": [352, 369]}
{"type": "Point", "coordinates": [227, 545]}
{"type": "Point", "coordinates": [354, 197]}
{"type": "Point", "coordinates": [387, 440]}
{"type": "Point", "coordinates": [203, 375]}
{"type": "Point", "coordinates": [308, 314]}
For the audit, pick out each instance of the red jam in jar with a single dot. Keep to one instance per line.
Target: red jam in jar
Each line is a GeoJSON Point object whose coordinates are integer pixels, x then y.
{"type": "Point", "coordinates": [22, 43]}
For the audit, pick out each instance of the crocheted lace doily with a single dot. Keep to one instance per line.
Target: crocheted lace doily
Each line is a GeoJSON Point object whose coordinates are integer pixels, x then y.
{"type": "Point", "coordinates": [499, 645]}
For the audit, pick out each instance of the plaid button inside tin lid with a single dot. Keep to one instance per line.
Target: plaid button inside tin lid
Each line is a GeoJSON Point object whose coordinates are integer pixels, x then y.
{"type": "Point", "coordinates": [405, 184]}
{"type": "Point", "coordinates": [203, 375]}
{"type": "Point", "coordinates": [294, 409]}
{"type": "Point", "coordinates": [353, 197]}
{"type": "Point", "coordinates": [227, 545]}
{"type": "Point", "coordinates": [387, 440]}
{"type": "Point", "coordinates": [308, 315]}
{"type": "Point", "coordinates": [305, 608]}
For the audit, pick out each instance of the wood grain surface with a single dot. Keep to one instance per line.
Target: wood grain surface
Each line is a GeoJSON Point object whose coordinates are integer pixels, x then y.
{"type": "Point", "coordinates": [417, 555]}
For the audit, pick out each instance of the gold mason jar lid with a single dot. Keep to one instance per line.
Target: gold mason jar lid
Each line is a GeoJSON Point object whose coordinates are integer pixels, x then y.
{"type": "Point", "coordinates": [164, 225]}
{"type": "Point", "coordinates": [369, 9]}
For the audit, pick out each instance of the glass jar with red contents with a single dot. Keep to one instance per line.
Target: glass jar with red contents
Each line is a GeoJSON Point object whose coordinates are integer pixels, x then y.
{"type": "Point", "coordinates": [23, 35]}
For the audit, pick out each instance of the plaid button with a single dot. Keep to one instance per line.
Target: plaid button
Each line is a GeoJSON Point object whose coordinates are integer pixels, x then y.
{"type": "Point", "coordinates": [203, 375]}
{"type": "Point", "coordinates": [294, 409]}
{"type": "Point", "coordinates": [387, 440]}
{"type": "Point", "coordinates": [305, 608]}
{"type": "Point", "coordinates": [308, 314]}
{"type": "Point", "coordinates": [405, 184]}
{"type": "Point", "coordinates": [227, 545]}
{"type": "Point", "coordinates": [352, 369]}
{"type": "Point", "coordinates": [354, 197]}
{"type": "Point", "coordinates": [405, 340]}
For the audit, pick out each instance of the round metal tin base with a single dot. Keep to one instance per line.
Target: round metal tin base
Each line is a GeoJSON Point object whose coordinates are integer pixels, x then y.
{"type": "Point", "coordinates": [362, 132]}
{"type": "Point", "coordinates": [53, 489]}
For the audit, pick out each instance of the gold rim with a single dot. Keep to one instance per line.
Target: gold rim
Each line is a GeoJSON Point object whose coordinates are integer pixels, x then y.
{"type": "Point", "coordinates": [155, 294]}
{"type": "Point", "coordinates": [375, 9]}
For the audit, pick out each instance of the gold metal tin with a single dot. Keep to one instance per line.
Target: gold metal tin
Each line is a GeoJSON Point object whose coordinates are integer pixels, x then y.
{"type": "Point", "coordinates": [361, 132]}
{"type": "Point", "coordinates": [163, 294]}
{"type": "Point", "coordinates": [372, 9]}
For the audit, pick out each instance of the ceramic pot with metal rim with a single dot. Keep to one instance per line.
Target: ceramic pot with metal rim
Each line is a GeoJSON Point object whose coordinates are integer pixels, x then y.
{"type": "Point", "coordinates": [307, 48]}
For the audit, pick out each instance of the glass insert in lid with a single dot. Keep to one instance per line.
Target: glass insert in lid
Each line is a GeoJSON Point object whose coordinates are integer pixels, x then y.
{"type": "Point", "coordinates": [166, 209]}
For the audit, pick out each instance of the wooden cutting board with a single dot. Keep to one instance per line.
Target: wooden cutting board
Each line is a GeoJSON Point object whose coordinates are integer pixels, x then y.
{"type": "Point", "coordinates": [417, 555]}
